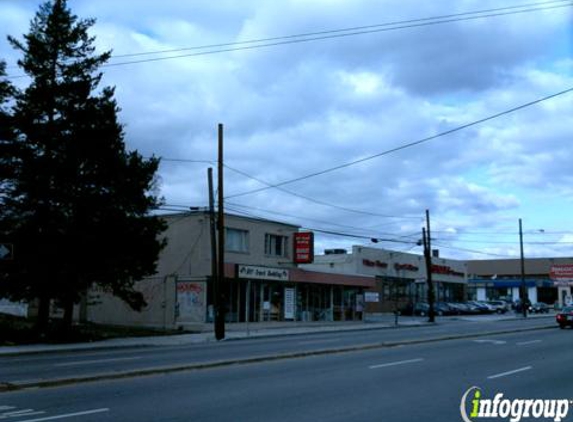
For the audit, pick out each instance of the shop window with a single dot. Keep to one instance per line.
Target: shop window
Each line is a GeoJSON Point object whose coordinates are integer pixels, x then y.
{"type": "Point", "coordinates": [275, 245]}
{"type": "Point", "coordinates": [236, 240]}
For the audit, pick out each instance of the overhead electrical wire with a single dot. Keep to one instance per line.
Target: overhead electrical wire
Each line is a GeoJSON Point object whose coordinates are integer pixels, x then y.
{"type": "Point", "coordinates": [374, 239]}
{"type": "Point", "coordinates": [365, 229]}
{"type": "Point", "coordinates": [316, 201]}
{"type": "Point", "coordinates": [472, 251]}
{"type": "Point", "coordinates": [560, 3]}
{"type": "Point", "coordinates": [404, 146]}
{"type": "Point", "coordinates": [337, 33]}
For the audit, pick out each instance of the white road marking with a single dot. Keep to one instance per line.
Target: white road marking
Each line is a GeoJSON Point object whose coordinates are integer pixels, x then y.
{"type": "Point", "coordinates": [523, 343]}
{"type": "Point", "coordinates": [17, 413]}
{"type": "Point", "coordinates": [497, 342]}
{"type": "Point", "coordinates": [21, 414]}
{"type": "Point", "coordinates": [319, 341]}
{"type": "Point", "coordinates": [400, 362]}
{"type": "Point", "coordinates": [68, 415]}
{"type": "Point", "coordinates": [515, 371]}
{"type": "Point", "coordinates": [93, 362]}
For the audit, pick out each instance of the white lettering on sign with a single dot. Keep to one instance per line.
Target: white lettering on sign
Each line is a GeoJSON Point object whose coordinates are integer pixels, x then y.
{"type": "Point", "coordinates": [262, 273]}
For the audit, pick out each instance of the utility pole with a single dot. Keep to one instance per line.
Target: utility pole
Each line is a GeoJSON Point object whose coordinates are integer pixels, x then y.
{"type": "Point", "coordinates": [524, 296]}
{"type": "Point", "coordinates": [220, 300]}
{"type": "Point", "coordinates": [428, 255]}
{"type": "Point", "coordinates": [212, 231]}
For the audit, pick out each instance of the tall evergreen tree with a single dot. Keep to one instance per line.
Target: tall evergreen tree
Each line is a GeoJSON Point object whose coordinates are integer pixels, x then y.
{"type": "Point", "coordinates": [78, 211]}
{"type": "Point", "coordinates": [6, 92]}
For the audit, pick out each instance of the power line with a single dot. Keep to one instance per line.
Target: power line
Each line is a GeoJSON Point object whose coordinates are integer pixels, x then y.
{"type": "Point", "coordinates": [340, 33]}
{"type": "Point", "coordinates": [495, 242]}
{"type": "Point", "coordinates": [306, 218]}
{"type": "Point", "coordinates": [473, 251]}
{"type": "Point", "coordinates": [316, 201]}
{"type": "Point", "coordinates": [183, 160]}
{"type": "Point", "coordinates": [343, 30]}
{"type": "Point", "coordinates": [405, 146]}
{"type": "Point", "coordinates": [373, 239]}
{"type": "Point", "coordinates": [329, 232]}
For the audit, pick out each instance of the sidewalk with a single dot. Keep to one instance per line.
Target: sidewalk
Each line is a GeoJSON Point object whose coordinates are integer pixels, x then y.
{"type": "Point", "coordinates": [236, 331]}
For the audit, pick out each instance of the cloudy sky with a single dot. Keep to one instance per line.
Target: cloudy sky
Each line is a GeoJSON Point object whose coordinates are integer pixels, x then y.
{"type": "Point", "coordinates": [375, 76]}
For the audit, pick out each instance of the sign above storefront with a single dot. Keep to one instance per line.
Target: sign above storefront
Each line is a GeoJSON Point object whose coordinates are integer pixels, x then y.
{"type": "Point", "coordinates": [262, 273]}
{"type": "Point", "coordinates": [445, 270]}
{"type": "Point", "coordinates": [405, 267]}
{"type": "Point", "coordinates": [561, 272]}
{"type": "Point", "coordinates": [303, 248]}
{"type": "Point", "coordinates": [370, 263]}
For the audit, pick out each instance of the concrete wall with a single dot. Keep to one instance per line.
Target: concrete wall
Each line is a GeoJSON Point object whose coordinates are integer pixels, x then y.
{"type": "Point", "coordinates": [160, 312]}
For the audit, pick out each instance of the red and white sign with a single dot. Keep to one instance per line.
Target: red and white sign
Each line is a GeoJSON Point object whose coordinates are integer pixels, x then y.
{"type": "Point", "coordinates": [303, 248]}
{"type": "Point", "coordinates": [561, 272]}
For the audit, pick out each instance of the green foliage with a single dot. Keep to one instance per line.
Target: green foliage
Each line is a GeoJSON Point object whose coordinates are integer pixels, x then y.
{"type": "Point", "coordinates": [76, 202]}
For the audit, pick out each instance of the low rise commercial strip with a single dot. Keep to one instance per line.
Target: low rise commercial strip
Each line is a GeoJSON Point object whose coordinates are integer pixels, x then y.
{"type": "Point", "coordinates": [265, 280]}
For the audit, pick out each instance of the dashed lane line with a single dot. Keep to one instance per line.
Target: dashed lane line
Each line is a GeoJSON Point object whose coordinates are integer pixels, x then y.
{"type": "Point", "coordinates": [524, 343]}
{"type": "Point", "coordinates": [400, 362]}
{"type": "Point", "coordinates": [505, 374]}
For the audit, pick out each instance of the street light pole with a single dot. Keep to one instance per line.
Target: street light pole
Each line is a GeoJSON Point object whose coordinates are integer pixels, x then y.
{"type": "Point", "coordinates": [524, 298]}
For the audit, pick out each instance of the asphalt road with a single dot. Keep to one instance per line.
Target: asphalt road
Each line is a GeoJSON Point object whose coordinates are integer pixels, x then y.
{"type": "Point", "coordinates": [422, 382]}
{"type": "Point", "coordinates": [27, 369]}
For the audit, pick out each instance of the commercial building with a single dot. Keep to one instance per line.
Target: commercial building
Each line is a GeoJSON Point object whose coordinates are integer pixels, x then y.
{"type": "Point", "coordinates": [547, 280]}
{"type": "Point", "coordinates": [400, 277]}
{"type": "Point", "coordinates": [262, 283]}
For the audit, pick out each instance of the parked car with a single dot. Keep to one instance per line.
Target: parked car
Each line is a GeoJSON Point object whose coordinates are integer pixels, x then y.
{"type": "Point", "coordinates": [443, 308]}
{"type": "Point", "coordinates": [565, 317]}
{"type": "Point", "coordinates": [472, 308]}
{"type": "Point", "coordinates": [463, 308]}
{"type": "Point", "coordinates": [483, 308]}
{"type": "Point", "coordinates": [421, 309]}
{"type": "Point", "coordinates": [500, 306]}
{"type": "Point", "coordinates": [539, 308]}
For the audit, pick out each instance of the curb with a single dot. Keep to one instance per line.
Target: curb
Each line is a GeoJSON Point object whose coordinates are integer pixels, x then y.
{"type": "Point", "coordinates": [260, 334]}
{"type": "Point", "coordinates": [7, 387]}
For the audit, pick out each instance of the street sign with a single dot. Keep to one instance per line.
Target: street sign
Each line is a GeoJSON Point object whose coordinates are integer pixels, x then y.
{"type": "Point", "coordinates": [6, 251]}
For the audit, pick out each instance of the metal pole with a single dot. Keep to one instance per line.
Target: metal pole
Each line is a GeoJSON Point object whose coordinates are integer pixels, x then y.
{"type": "Point", "coordinates": [213, 233]}
{"type": "Point", "coordinates": [220, 311]}
{"type": "Point", "coordinates": [431, 315]}
{"type": "Point", "coordinates": [524, 298]}
{"type": "Point", "coordinates": [248, 305]}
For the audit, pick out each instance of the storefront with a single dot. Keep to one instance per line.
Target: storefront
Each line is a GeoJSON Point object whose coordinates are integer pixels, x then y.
{"type": "Point", "coordinates": [400, 277]}
{"type": "Point", "coordinates": [546, 280]}
{"type": "Point", "coordinates": [258, 294]}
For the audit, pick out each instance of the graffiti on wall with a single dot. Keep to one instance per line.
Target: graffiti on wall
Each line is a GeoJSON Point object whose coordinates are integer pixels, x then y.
{"type": "Point", "coordinates": [191, 298]}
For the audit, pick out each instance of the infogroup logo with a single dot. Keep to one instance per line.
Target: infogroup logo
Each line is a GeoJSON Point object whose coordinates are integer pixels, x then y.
{"type": "Point", "coordinates": [512, 409]}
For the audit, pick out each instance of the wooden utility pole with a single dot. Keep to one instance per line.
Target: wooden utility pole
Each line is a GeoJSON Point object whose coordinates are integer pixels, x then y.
{"type": "Point", "coordinates": [523, 295]}
{"type": "Point", "coordinates": [213, 235]}
{"type": "Point", "coordinates": [220, 300]}
{"type": "Point", "coordinates": [428, 255]}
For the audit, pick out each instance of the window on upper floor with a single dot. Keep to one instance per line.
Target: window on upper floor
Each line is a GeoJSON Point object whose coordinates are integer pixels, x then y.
{"type": "Point", "coordinates": [275, 245]}
{"type": "Point", "coordinates": [236, 240]}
